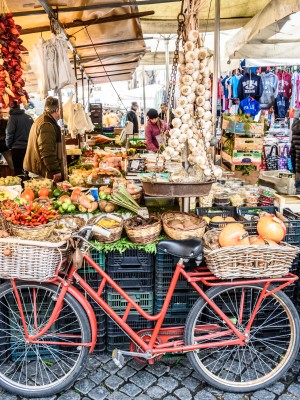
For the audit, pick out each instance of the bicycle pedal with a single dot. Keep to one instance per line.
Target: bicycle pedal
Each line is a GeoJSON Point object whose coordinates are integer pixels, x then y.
{"type": "Point", "coordinates": [118, 358]}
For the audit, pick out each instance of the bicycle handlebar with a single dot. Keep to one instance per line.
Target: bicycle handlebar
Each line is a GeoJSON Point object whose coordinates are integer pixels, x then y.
{"type": "Point", "coordinates": [101, 231]}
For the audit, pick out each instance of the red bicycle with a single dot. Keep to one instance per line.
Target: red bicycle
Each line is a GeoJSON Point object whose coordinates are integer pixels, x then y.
{"type": "Point", "coordinates": [239, 335]}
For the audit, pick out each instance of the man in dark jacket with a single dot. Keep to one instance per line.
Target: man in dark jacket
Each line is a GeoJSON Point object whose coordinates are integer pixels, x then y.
{"type": "Point", "coordinates": [17, 133]}
{"type": "Point", "coordinates": [295, 151]}
{"type": "Point", "coordinates": [132, 117]}
{"type": "Point", "coordinates": [3, 148]}
{"type": "Point", "coordinates": [43, 155]}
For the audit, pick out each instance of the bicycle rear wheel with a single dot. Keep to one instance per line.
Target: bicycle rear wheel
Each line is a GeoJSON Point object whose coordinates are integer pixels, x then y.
{"type": "Point", "coordinates": [40, 370]}
{"type": "Point", "coordinates": [273, 342]}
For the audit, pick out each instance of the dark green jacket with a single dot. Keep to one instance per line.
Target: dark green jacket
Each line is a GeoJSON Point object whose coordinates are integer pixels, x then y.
{"type": "Point", "coordinates": [43, 154]}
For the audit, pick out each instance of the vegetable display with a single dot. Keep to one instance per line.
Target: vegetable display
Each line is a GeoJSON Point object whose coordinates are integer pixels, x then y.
{"type": "Point", "coordinates": [123, 199]}
{"type": "Point", "coordinates": [11, 62]}
{"type": "Point", "coordinates": [31, 214]}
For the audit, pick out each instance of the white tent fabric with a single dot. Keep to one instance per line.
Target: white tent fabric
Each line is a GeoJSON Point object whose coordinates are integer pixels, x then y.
{"type": "Point", "coordinates": [273, 33]}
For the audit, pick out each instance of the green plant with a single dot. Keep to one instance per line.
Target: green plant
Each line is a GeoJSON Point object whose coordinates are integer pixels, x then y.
{"type": "Point", "coordinates": [245, 168]}
{"type": "Point", "coordinates": [124, 244]}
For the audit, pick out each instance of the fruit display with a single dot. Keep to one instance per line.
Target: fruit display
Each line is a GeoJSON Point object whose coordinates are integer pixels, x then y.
{"type": "Point", "coordinates": [10, 181]}
{"type": "Point", "coordinates": [78, 177]}
{"type": "Point", "coordinates": [11, 62]}
{"type": "Point", "coordinates": [107, 206]}
{"type": "Point", "coordinates": [37, 184]}
{"type": "Point", "coordinates": [7, 194]}
{"type": "Point", "coordinates": [271, 227]}
{"type": "Point", "coordinates": [64, 205]}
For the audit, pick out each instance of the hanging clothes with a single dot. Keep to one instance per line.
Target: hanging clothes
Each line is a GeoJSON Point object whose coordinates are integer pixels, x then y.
{"type": "Point", "coordinates": [281, 106]}
{"type": "Point", "coordinates": [234, 82]}
{"type": "Point", "coordinates": [295, 99]}
{"type": "Point", "coordinates": [250, 106]}
{"type": "Point", "coordinates": [270, 89]}
{"type": "Point", "coordinates": [284, 83]}
{"type": "Point", "coordinates": [250, 85]}
{"type": "Point", "coordinates": [38, 65]}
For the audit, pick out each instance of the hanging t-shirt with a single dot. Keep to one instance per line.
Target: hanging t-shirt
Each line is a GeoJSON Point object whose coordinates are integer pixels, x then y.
{"type": "Point", "coordinates": [250, 106]}
{"type": "Point", "coordinates": [234, 82]}
{"type": "Point", "coordinates": [295, 99]}
{"type": "Point", "coordinates": [281, 106]}
{"type": "Point", "coordinates": [225, 86]}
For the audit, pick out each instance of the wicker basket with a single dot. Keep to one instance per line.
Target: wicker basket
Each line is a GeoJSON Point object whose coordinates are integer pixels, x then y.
{"type": "Point", "coordinates": [143, 234]}
{"type": "Point", "coordinates": [251, 261]}
{"type": "Point", "coordinates": [40, 232]}
{"type": "Point", "coordinates": [115, 232]}
{"type": "Point", "coordinates": [180, 234]}
{"type": "Point", "coordinates": [30, 260]}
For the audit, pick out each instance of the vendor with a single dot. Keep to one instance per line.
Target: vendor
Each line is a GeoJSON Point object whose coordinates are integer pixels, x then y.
{"type": "Point", "coordinates": [156, 130]}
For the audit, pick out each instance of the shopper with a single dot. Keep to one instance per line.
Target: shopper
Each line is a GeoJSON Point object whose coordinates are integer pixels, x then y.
{"type": "Point", "coordinates": [132, 117]}
{"type": "Point", "coordinates": [43, 155]}
{"type": "Point", "coordinates": [3, 148]}
{"type": "Point", "coordinates": [111, 119]}
{"type": "Point", "coordinates": [156, 130]}
{"type": "Point", "coordinates": [17, 133]}
{"type": "Point", "coordinates": [295, 152]}
{"type": "Point", "coordinates": [163, 111]}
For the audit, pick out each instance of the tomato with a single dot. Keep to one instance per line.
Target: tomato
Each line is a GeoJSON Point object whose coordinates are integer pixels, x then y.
{"type": "Point", "coordinates": [64, 198]}
{"type": "Point", "coordinates": [28, 194]}
{"type": "Point", "coordinates": [44, 192]}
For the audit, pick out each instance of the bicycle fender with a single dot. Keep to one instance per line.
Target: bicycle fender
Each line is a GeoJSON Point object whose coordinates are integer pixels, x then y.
{"type": "Point", "coordinates": [88, 309]}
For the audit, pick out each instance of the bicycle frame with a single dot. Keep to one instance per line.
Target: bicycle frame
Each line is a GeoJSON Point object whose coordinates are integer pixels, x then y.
{"type": "Point", "coordinates": [200, 275]}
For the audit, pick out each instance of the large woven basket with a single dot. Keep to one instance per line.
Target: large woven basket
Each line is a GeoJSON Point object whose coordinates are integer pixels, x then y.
{"type": "Point", "coordinates": [115, 232]}
{"type": "Point", "coordinates": [30, 260]}
{"type": "Point", "coordinates": [185, 233]}
{"type": "Point", "coordinates": [251, 261]}
{"type": "Point", "coordinates": [143, 234]}
{"type": "Point", "coordinates": [40, 232]}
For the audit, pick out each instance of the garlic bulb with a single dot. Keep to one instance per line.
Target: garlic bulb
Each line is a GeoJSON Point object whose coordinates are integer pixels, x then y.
{"type": "Point", "coordinates": [200, 90]}
{"type": "Point", "coordinates": [195, 75]}
{"type": "Point", "coordinates": [189, 133]}
{"type": "Point", "coordinates": [189, 109]}
{"type": "Point", "coordinates": [191, 98]}
{"type": "Point", "coordinates": [196, 64]}
{"type": "Point", "coordinates": [184, 128]}
{"type": "Point", "coordinates": [200, 100]}
{"type": "Point", "coordinates": [193, 35]}
{"type": "Point", "coordinates": [181, 58]}
{"type": "Point", "coordinates": [200, 112]}
{"type": "Point", "coordinates": [183, 138]}
{"type": "Point", "coordinates": [207, 116]}
{"type": "Point", "coordinates": [190, 56]}
{"type": "Point", "coordinates": [187, 80]}
{"type": "Point", "coordinates": [176, 122]}
{"type": "Point", "coordinates": [207, 94]}
{"type": "Point", "coordinates": [185, 90]}
{"type": "Point", "coordinates": [182, 101]}
{"type": "Point", "coordinates": [201, 68]}
{"type": "Point", "coordinates": [178, 112]}
{"type": "Point", "coordinates": [207, 105]}
{"type": "Point", "coordinates": [206, 72]}
{"type": "Point", "coordinates": [199, 79]}
{"type": "Point", "coordinates": [194, 86]}
{"type": "Point", "coordinates": [185, 118]}
{"type": "Point", "coordinates": [189, 46]}
{"type": "Point", "coordinates": [181, 68]}
{"type": "Point", "coordinates": [189, 68]}
{"type": "Point", "coordinates": [203, 53]}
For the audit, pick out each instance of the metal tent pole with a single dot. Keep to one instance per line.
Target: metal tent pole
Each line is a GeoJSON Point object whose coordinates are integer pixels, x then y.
{"type": "Point", "coordinates": [167, 61]}
{"type": "Point", "coordinates": [144, 92]}
{"type": "Point", "coordinates": [63, 141]}
{"type": "Point", "coordinates": [216, 70]}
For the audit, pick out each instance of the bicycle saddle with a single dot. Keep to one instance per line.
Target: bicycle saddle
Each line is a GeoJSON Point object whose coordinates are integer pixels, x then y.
{"type": "Point", "coordinates": [189, 248]}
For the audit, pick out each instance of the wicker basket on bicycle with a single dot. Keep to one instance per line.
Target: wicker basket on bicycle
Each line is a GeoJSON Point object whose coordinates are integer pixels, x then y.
{"type": "Point", "coordinates": [195, 225]}
{"type": "Point", "coordinates": [30, 260]}
{"type": "Point", "coordinates": [40, 232]}
{"type": "Point", "coordinates": [115, 230]}
{"type": "Point", "coordinates": [251, 261]}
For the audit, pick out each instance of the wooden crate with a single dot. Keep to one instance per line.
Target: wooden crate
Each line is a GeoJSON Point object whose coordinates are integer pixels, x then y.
{"type": "Point", "coordinates": [232, 162]}
{"type": "Point", "coordinates": [239, 127]}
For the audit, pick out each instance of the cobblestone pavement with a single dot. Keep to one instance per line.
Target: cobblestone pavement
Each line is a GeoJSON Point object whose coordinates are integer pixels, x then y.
{"type": "Point", "coordinates": [170, 379]}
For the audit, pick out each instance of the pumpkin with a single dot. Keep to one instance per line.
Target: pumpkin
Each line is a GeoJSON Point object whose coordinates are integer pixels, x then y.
{"type": "Point", "coordinates": [229, 219]}
{"type": "Point", "coordinates": [28, 195]}
{"type": "Point", "coordinates": [271, 227]}
{"type": "Point", "coordinates": [217, 219]}
{"type": "Point", "coordinates": [260, 241]}
{"type": "Point", "coordinates": [233, 235]}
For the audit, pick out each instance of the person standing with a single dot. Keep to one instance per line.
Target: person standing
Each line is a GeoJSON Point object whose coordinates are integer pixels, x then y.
{"type": "Point", "coordinates": [43, 155]}
{"type": "Point", "coordinates": [17, 133]}
{"type": "Point", "coordinates": [3, 148]}
{"type": "Point", "coordinates": [155, 131]}
{"type": "Point", "coordinates": [132, 117]}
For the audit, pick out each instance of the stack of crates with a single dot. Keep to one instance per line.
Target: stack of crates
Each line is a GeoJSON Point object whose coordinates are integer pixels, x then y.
{"type": "Point", "coordinates": [184, 296]}
{"type": "Point", "coordinates": [94, 280]}
{"type": "Point", "coordinates": [133, 271]}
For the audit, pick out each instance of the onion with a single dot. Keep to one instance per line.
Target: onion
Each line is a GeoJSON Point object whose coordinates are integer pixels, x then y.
{"type": "Point", "coordinates": [270, 227]}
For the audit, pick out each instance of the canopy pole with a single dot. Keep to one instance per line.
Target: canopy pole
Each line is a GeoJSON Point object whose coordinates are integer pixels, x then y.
{"type": "Point", "coordinates": [63, 141]}
{"type": "Point", "coordinates": [82, 86]}
{"type": "Point", "coordinates": [167, 60]}
{"type": "Point", "coordinates": [216, 71]}
{"type": "Point", "coordinates": [144, 92]}
{"type": "Point", "coordinates": [75, 71]}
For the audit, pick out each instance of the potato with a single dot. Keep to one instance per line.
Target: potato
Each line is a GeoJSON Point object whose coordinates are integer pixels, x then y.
{"type": "Point", "coordinates": [189, 225]}
{"type": "Point", "coordinates": [109, 208]}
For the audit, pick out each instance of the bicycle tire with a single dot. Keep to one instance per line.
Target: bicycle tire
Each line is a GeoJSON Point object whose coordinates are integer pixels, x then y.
{"type": "Point", "coordinates": [48, 369]}
{"type": "Point", "coordinates": [272, 348]}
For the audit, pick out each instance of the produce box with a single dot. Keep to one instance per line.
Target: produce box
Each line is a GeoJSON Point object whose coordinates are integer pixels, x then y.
{"type": "Point", "coordinates": [239, 127]}
{"type": "Point", "coordinates": [248, 144]}
{"type": "Point", "coordinates": [239, 158]}
{"type": "Point", "coordinates": [282, 181]}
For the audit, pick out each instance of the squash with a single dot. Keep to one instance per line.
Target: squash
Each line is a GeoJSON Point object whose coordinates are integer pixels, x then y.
{"type": "Point", "coordinates": [271, 227]}
{"type": "Point", "coordinates": [233, 235]}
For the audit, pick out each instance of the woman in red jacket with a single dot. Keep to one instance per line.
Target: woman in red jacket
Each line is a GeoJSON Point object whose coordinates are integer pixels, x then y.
{"type": "Point", "coordinates": [155, 131]}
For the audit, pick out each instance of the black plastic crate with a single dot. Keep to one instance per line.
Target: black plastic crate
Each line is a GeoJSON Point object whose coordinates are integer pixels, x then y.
{"type": "Point", "coordinates": [254, 211]}
{"type": "Point", "coordinates": [136, 322]}
{"type": "Point", "coordinates": [134, 280]}
{"type": "Point", "coordinates": [130, 261]}
{"type": "Point", "coordinates": [292, 227]}
{"type": "Point", "coordinates": [180, 302]}
{"type": "Point", "coordinates": [163, 279]}
{"type": "Point", "coordinates": [118, 342]}
{"type": "Point", "coordinates": [100, 346]}
{"type": "Point", "coordinates": [175, 319]}
{"type": "Point", "coordinates": [165, 262]}
{"type": "Point", "coordinates": [118, 303]}
{"type": "Point", "coordinates": [227, 211]}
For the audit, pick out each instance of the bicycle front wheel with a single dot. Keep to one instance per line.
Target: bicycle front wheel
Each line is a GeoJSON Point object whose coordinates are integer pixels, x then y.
{"type": "Point", "coordinates": [40, 370]}
{"type": "Point", "coordinates": [273, 342]}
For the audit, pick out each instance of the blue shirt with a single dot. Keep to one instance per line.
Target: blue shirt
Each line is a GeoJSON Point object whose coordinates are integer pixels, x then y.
{"type": "Point", "coordinates": [250, 106]}
{"type": "Point", "coordinates": [234, 82]}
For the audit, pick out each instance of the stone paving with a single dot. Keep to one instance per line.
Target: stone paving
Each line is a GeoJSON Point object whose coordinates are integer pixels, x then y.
{"type": "Point", "coordinates": [170, 379]}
